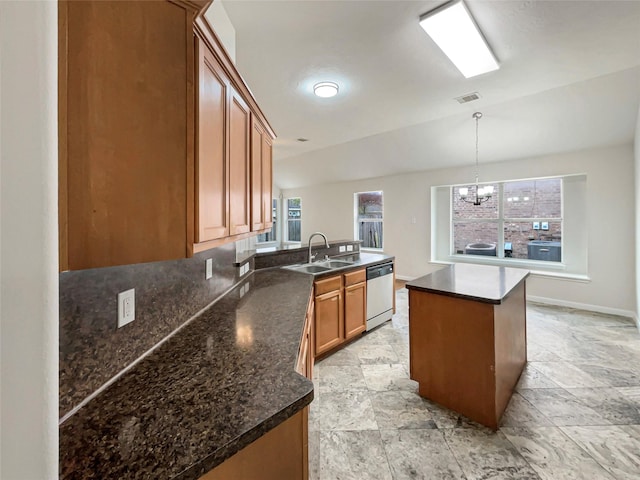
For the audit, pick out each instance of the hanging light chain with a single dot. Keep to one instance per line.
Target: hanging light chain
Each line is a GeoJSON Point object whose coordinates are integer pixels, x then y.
{"type": "Point", "coordinates": [477, 116]}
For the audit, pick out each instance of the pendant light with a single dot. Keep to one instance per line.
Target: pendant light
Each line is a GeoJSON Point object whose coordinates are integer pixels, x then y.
{"type": "Point", "coordinates": [482, 194]}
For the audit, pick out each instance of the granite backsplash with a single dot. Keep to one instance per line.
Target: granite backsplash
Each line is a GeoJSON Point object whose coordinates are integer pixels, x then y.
{"type": "Point", "coordinates": [289, 255]}
{"type": "Point", "coordinates": [167, 294]}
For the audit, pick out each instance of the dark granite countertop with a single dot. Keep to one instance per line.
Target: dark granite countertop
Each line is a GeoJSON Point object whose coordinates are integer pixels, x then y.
{"type": "Point", "coordinates": [482, 283]}
{"type": "Point", "coordinates": [223, 380]}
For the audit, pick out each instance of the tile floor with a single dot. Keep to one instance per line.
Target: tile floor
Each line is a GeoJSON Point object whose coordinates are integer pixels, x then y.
{"type": "Point", "coordinates": [575, 413]}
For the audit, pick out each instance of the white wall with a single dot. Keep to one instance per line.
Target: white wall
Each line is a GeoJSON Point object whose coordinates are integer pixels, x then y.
{"type": "Point", "coordinates": [219, 20]}
{"type": "Point", "coordinates": [28, 241]}
{"type": "Point", "coordinates": [636, 151]}
{"type": "Point", "coordinates": [329, 208]}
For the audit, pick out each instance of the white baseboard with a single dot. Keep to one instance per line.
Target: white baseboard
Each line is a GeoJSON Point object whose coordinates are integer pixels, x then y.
{"type": "Point", "coordinates": [585, 306]}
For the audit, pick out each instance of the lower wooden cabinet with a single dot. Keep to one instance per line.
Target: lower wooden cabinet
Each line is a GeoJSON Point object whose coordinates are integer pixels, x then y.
{"type": "Point", "coordinates": [281, 453]}
{"type": "Point", "coordinates": [306, 354]}
{"type": "Point", "coordinates": [340, 309]}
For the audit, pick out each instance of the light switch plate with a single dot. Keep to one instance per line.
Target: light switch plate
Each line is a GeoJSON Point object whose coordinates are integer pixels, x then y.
{"type": "Point", "coordinates": [536, 225]}
{"type": "Point", "coordinates": [126, 307]}
{"type": "Point", "coordinates": [545, 225]}
{"type": "Point", "coordinates": [349, 248]}
{"type": "Point", "coordinates": [208, 269]}
{"type": "Point", "coordinates": [342, 249]}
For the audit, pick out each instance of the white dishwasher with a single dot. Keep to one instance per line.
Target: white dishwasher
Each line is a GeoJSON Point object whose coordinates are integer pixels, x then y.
{"type": "Point", "coordinates": [380, 291]}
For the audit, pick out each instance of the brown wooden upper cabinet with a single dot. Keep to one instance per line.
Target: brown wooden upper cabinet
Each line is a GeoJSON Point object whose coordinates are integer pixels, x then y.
{"type": "Point", "coordinates": [261, 181]}
{"type": "Point", "coordinates": [212, 165]}
{"type": "Point", "coordinates": [155, 135]}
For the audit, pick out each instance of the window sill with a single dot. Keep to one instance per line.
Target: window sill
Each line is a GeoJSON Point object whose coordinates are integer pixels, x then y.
{"type": "Point", "coordinates": [549, 271]}
{"type": "Point", "coordinates": [372, 250]}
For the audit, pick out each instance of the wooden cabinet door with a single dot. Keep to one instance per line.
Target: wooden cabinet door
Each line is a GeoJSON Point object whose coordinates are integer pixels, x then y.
{"type": "Point", "coordinates": [355, 309]}
{"type": "Point", "coordinates": [239, 183]}
{"type": "Point", "coordinates": [212, 170]}
{"type": "Point", "coordinates": [257, 177]}
{"type": "Point", "coordinates": [267, 180]}
{"type": "Point", "coordinates": [328, 321]}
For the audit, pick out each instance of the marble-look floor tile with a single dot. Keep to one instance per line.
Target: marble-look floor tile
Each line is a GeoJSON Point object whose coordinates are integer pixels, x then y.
{"type": "Point", "coordinates": [609, 403]}
{"type": "Point", "coordinates": [314, 455]}
{"type": "Point", "coordinates": [388, 377]}
{"type": "Point", "coordinates": [386, 334]}
{"type": "Point", "coordinates": [532, 378]}
{"type": "Point", "coordinates": [566, 375]}
{"type": "Point", "coordinates": [616, 448]}
{"type": "Point", "coordinates": [445, 418]}
{"type": "Point", "coordinates": [420, 454]}
{"type": "Point", "coordinates": [616, 377]}
{"type": "Point", "coordinates": [553, 455]}
{"type": "Point", "coordinates": [520, 413]}
{"type": "Point", "coordinates": [401, 410]}
{"type": "Point", "coordinates": [341, 357]}
{"type": "Point", "coordinates": [374, 354]}
{"type": "Point", "coordinates": [344, 411]}
{"type": "Point", "coordinates": [488, 455]}
{"type": "Point", "coordinates": [562, 408]}
{"type": "Point", "coordinates": [537, 353]}
{"type": "Point", "coordinates": [341, 378]}
{"type": "Point", "coordinates": [632, 393]}
{"type": "Point", "coordinates": [402, 351]}
{"type": "Point", "coordinates": [352, 456]}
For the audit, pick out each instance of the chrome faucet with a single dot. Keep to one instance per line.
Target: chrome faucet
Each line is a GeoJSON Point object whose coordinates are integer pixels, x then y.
{"type": "Point", "coordinates": [311, 257]}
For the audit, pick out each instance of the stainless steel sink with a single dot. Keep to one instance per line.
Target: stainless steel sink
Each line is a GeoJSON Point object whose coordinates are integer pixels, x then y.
{"type": "Point", "coordinates": [319, 267]}
{"type": "Point", "coordinates": [308, 268]}
{"type": "Point", "coordinates": [333, 263]}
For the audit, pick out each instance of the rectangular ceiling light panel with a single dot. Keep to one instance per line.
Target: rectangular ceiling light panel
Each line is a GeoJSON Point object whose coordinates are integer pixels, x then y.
{"type": "Point", "coordinates": [456, 33]}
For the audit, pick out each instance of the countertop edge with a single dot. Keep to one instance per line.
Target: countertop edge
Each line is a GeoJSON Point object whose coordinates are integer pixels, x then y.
{"type": "Point", "coordinates": [246, 438]}
{"type": "Point", "coordinates": [492, 301]}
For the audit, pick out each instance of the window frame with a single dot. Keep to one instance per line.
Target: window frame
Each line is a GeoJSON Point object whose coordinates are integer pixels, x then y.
{"type": "Point", "coordinates": [274, 229]}
{"type": "Point", "coordinates": [356, 220]}
{"type": "Point", "coordinates": [286, 220]}
{"type": "Point", "coordinates": [574, 241]}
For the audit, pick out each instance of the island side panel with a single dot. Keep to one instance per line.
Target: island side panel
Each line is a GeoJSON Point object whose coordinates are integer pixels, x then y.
{"type": "Point", "coordinates": [510, 344]}
{"type": "Point", "coordinates": [451, 348]}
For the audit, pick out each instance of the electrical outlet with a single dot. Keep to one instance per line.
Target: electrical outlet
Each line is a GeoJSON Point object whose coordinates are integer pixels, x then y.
{"type": "Point", "coordinates": [413, 220]}
{"type": "Point", "coordinates": [342, 248]}
{"type": "Point", "coordinates": [545, 225]}
{"type": "Point", "coordinates": [126, 307]}
{"type": "Point", "coordinates": [536, 225]}
{"type": "Point", "coordinates": [349, 248]}
{"type": "Point", "coordinates": [208, 269]}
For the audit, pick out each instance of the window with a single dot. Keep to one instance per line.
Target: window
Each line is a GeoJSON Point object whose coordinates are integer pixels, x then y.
{"type": "Point", "coordinates": [523, 220]}
{"type": "Point", "coordinates": [294, 220]}
{"type": "Point", "coordinates": [369, 219]}
{"type": "Point", "coordinates": [535, 223]}
{"type": "Point", "coordinates": [271, 236]}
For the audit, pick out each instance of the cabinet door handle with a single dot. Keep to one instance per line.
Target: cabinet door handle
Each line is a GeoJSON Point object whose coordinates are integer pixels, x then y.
{"type": "Point", "coordinates": [543, 250]}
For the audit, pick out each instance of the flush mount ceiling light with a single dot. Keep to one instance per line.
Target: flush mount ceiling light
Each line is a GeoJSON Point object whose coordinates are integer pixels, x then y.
{"type": "Point", "coordinates": [325, 89]}
{"type": "Point", "coordinates": [482, 194]}
{"type": "Point", "coordinates": [453, 29]}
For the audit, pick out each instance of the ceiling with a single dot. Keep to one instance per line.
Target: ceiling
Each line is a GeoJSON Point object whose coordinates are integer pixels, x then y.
{"type": "Point", "coordinates": [569, 79]}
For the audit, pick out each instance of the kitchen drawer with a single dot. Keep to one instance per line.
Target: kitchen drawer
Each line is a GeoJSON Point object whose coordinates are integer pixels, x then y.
{"type": "Point", "coordinates": [352, 278]}
{"type": "Point", "coordinates": [328, 285]}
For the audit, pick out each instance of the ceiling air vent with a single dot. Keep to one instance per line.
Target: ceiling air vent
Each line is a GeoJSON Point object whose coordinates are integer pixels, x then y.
{"type": "Point", "coordinates": [469, 97]}
{"type": "Point", "coordinates": [303, 139]}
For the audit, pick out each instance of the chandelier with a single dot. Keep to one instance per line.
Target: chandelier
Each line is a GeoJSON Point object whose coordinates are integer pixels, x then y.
{"type": "Point", "coordinates": [482, 194]}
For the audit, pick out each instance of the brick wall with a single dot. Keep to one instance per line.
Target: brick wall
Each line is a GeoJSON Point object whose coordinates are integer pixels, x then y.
{"type": "Point", "coordinates": [535, 200]}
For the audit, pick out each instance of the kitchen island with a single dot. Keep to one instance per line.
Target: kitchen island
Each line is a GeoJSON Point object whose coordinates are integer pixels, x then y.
{"type": "Point", "coordinates": [467, 337]}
